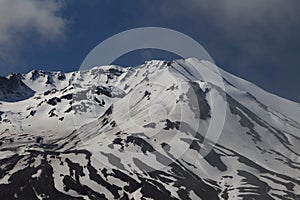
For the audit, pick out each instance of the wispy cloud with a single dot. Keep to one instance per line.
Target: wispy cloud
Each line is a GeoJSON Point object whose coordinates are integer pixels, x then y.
{"type": "Point", "coordinates": [18, 17]}
{"type": "Point", "coordinates": [31, 15]}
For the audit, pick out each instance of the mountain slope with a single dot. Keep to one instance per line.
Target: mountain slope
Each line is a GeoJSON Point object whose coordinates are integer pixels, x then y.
{"type": "Point", "coordinates": [141, 133]}
{"type": "Point", "coordinates": [13, 89]}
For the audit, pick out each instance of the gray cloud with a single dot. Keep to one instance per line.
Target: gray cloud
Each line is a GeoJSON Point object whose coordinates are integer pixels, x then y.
{"type": "Point", "coordinates": [234, 17]}
{"type": "Point", "coordinates": [31, 15]}
{"type": "Point", "coordinates": [256, 24]}
{"type": "Point", "coordinates": [248, 12]}
{"type": "Point", "coordinates": [18, 17]}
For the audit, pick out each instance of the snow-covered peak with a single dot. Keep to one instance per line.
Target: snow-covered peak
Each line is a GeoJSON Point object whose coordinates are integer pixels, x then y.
{"type": "Point", "coordinates": [139, 133]}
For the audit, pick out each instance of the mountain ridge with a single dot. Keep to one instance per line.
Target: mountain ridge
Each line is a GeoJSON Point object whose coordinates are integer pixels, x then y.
{"type": "Point", "coordinates": [143, 133]}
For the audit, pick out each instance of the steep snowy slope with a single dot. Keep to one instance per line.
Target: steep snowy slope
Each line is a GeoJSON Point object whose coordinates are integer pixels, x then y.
{"type": "Point", "coordinates": [141, 133]}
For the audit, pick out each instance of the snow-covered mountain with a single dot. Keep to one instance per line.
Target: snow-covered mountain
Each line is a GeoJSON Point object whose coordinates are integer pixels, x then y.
{"type": "Point", "coordinates": [144, 133]}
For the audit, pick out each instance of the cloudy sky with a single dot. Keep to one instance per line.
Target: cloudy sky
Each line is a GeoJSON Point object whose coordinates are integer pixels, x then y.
{"type": "Point", "coordinates": [257, 40]}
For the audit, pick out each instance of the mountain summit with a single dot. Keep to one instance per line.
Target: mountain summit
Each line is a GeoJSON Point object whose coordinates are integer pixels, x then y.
{"type": "Point", "coordinates": [162, 130]}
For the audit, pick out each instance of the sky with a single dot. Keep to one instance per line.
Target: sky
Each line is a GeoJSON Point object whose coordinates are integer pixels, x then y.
{"type": "Point", "coordinates": [257, 40]}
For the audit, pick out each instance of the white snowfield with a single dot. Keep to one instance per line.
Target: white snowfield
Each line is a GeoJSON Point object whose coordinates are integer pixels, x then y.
{"type": "Point", "coordinates": [184, 129]}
